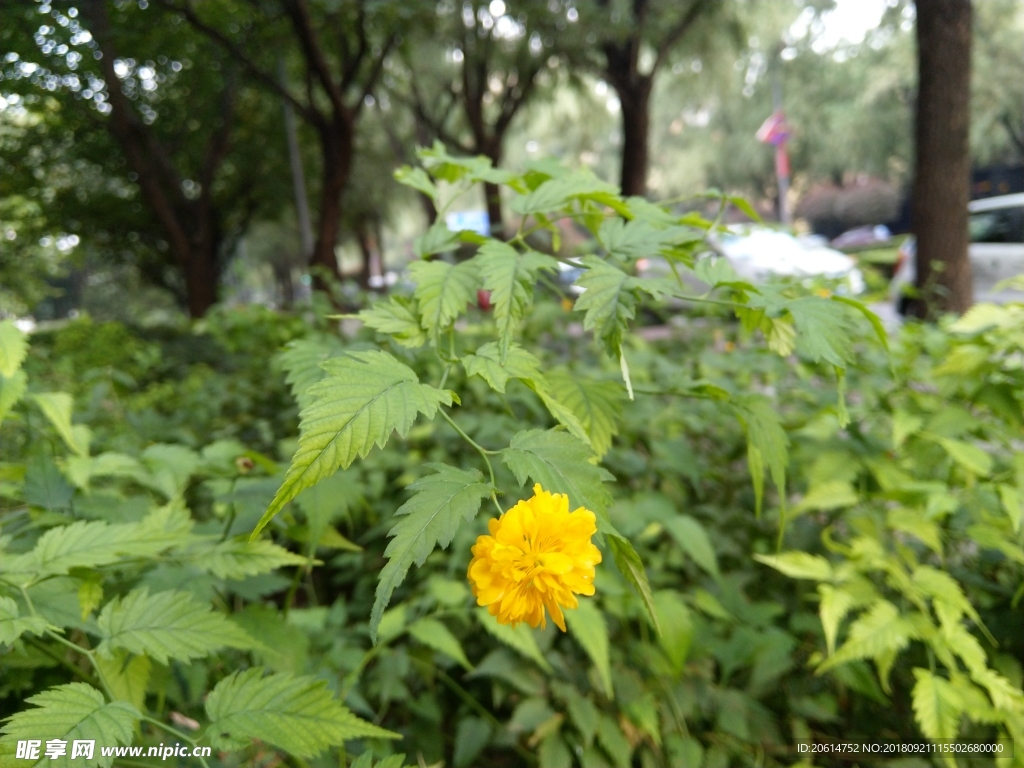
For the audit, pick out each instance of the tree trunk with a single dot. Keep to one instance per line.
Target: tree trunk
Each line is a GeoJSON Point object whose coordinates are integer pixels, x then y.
{"type": "Point", "coordinates": [201, 276]}
{"type": "Point", "coordinates": [336, 146]}
{"type": "Point", "coordinates": [635, 104]}
{"type": "Point", "coordinates": [942, 167]}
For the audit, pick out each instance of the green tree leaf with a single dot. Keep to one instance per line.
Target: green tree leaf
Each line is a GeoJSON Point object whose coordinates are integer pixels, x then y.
{"type": "Point", "coordinates": [166, 625]}
{"type": "Point", "coordinates": [799, 565]}
{"type": "Point", "coordinates": [834, 606]}
{"type": "Point", "coordinates": [587, 626]}
{"type": "Point", "coordinates": [56, 406]}
{"type": "Point", "coordinates": [937, 706]}
{"type": "Point", "coordinates": [676, 627]}
{"type": "Point", "coordinates": [632, 569]}
{"type": "Point", "coordinates": [608, 300]}
{"type": "Point", "coordinates": [693, 540]}
{"type": "Point", "coordinates": [510, 275]}
{"type": "Point", "coordinates": [487, 363]}
{"type": "Point", "coordinates": [880, 630]}
{"type": "Point", "coordinates": [398, 317]}
{"type": "Point", "coordinates": [443, 290]}
{"type": "Point", "coordinates": [12, 389]}
{"type": "Point", "coordinates": [72, 712]}
{"type": "Point", "coordinates": [296, 714]}
{"type": "Point", "coordinates": [238, 559]}
{"type": "Point", "coordinates": [435, 635]}
{"type": "Point", "coordinates": [767, 443]}
{"type": "Point", "coordinates": [13, 348]}
{"type": "Point", "coordinates": [13, 625]}
{"type": "Point", "coordinates": [560, 463]}
{"type": "Point", "coordinates": [556, 192]}
{"type": "Point", "coordinates": [597, 404]}
{"type": "Point", "coordinates": [430, 518]}
{"type": "Point", "coordinates": [301, 361]}
{"type": "Point", "coordinates": [365, 397]}
{"type": "Point", "coordinates": [418, 179]}
{"type": "Point", "coordinates": [519, 638]}
{"type": "Point", "coordinates": [126, 675]}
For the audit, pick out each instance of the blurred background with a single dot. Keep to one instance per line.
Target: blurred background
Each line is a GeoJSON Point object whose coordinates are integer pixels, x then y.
{"type": "Point", "coordinates": [160, 156]}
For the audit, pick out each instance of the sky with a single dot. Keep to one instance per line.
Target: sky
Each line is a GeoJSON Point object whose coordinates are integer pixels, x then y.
{"type": "Point", "coordinates": [850, 22]}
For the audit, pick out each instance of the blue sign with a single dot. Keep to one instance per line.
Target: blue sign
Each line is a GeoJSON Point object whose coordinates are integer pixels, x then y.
{"type": "Point", "coordinates": [474, 221]}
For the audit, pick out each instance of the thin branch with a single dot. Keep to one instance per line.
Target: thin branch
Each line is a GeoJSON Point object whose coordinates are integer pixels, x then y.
{"type": "Point", "coordinates": [298, 10]}
{"type": "Point", "coordinates": [678, 32]}
{"type": "Point", "coordinates": [375, 72]}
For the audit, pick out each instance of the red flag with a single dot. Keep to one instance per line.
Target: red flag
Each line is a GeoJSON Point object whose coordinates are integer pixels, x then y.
{"type": "Point", "coordinates": [774, 130]}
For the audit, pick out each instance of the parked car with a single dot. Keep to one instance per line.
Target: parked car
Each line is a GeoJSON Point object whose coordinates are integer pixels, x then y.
{"type": "Point", "coordinates": [759, 253]}
{"type": "Point", "coordinates": [996, 252]}
{"type": "Point", "coordinates": [863, 237]}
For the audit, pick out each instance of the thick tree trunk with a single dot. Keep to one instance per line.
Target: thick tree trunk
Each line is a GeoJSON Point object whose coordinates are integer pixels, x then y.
{"type": "Point", "coordinates": [201, 277]}
{"type": "Point", "coordinates": [336, 146]}
{"type": "Point", "coordinates": [942, 167]}
{"type": "Point", "coordinates": [635, 103]}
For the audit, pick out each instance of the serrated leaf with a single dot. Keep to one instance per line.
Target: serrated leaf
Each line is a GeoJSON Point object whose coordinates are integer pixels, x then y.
{"type": "Point", "coordinates": [365, 397]}
{"type": "Point", "coordinates": [71, 712]}
{"type": "Point", "coordinates": [301, 361]}
{"type": "Point", "coordinates": [608, 300]}
{"type": "Point", "coordinates": [472, 735]}
{"type": "Point", "coordinates": [556, 192]}
{"type": "Point", "coordinates": [588, 628]}
{"type": "Point", "coordinates": [878, 631]}
{"type": "Point", "coordinates": [13, 348]}
{"type": "Point", "coordinates": [56, 406]}
{"type": "Point", "coordinates": [871, 317]}
{"type": "Point", "coordinates": [397, 317]}
{"type": "Point", "coordinates": [12, 389]}
{"type": "Point", "coordinates": [126, 675]}
{"type": "Point", "coordinates": [835, 604]}
{"type": "Point", "coordinates": [632, 569]}
{"type": "Point", "coordinates": [693, 540]}
{"type": "Point", "coordinates": [443, 290]}
{"type": "Point", "coordinates": [435, 635]}
{"type": "Point", "coordinates": [970, 457]}
{"type": "Point", "coordinates": [166, 625]}
{"type": "Point", "coordinates": [239, 558]}
{"type": "Point", "coordinates": [296, 714]}
{"type": "Point", "coordinates": [597, 404]}
{"type": "Point", "coordinates": [767, 443]}
{"type": "Point", "coordinates": [799, 565]}
{"type": "Point", "coordinates": [510, 275]}
{"type": "Point", "coordinates": [519, 638]}
{"type": "Point", "coordinates": [937, 706]}
{"type": "Point", "coordinates": [486, 363]}
{"type": "Point", "coordinates": [561, 464]}
{"type": "Point", "coordinates": [428, 519]}
{"type": "Point", "coordinates": [13, 625]}
{"type": "Point", "coordinates": [824, 331]}
{"type": "Point", "coordinates": [437, 239]}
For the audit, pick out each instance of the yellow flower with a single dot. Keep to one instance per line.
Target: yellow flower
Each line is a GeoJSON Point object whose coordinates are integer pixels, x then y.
{"type": "Point", "coordinates": [538, 555]}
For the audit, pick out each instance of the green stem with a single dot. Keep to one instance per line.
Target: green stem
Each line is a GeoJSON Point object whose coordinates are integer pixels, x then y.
{"type": "Point", "coordinates": [62, 661]}
{"type": "Point", "coordinates": [177, 734]}
{"type": "Point", "coordinates": [484, 453]}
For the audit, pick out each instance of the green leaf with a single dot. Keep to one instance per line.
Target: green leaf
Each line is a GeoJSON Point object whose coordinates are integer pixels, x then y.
{"type": "Point", "coordinates": [324, 503]}
{"type": "Point", "coordinates": [879, 631]}
{"type": "Point", "coordinates": [587, 626]}
{"type": "Point", "coordinates": [556, 192]}
{"type": "Point", "coordinates": [435, 635]}
{"type": "Point", "coordinates": [418, 179]}
{"type": "Point", "coordinates": [238, 559]}
{"type": "Point", "coordinates": [614, 741]}
{"type": "Point", "coordinates": [831, 494]}
{"type": "Point", "coordinates": [823, 328]}
{"type": "Point", "coordinates": [510, 275]}
{"type": "Point", "coordinates": [487, 363]}
{"type": "Point", "coordinates": [472, 735]}
{"type": "Point", "coordinates": [398, 317]}
{"type": "Point", "coordinates": [13, 348]}
{"type": "Point", "coordinates": [835, 604]}
{"type": "Point", "coordinates": [437, 239]}
{"type": "Point", "coordinates": [597, 404]}
{"type": "Point", "coordinates": [937, 706]}
{"type": "Point", "coordinates": [296, 714]}
{"type": "Point", "coordinates": [1013, 504]}
{"type": "Point", "coordinates": [799, 565]}
{"type": "Point", "coordinates": [970, 457]}
{"type": "Point", "coordinates": [170, 466]}
{"type": "Point", "coordinates": [301, 361]}
{"type": "Point", "coordinates": [632, 568]}
{"type": "Point", "coordinates": [767, 442]}
{"type": "Point", "coordinates": [871, 317]}
{"type": "Point", "coordinates": [13, 625]}
{"type": "Point", "coordinates": [56, 406]}
{"type": "Point", "coordinates": [561, 464]}
{"type": "Point", "coordinates": [676, 627]}
{"type": "Point", "coordinates": [72, 712]}
{"type": "Point", "coordinates": [608, 300]}
{"type": "Point", "coordinates": [443, 290]}
{"type": "Point", "coordinates": [519, 638]}
{"type": "Point", "coordinates": [430, 518]}
{"type": "Point", "coordinates": [693, 540]}
{"type": "Point", "coordinates": [365, 397]}
{"type": "Point", "coordinates": [126, 675]}
{"type": "Point", "coordinates": [12, 389]}
{"type": "Point", "coordinates": [166, 625]}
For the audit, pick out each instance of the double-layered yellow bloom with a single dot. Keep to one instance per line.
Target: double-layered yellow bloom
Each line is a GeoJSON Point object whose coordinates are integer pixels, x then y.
{"type": "Point", "coordinates": [538, 555]}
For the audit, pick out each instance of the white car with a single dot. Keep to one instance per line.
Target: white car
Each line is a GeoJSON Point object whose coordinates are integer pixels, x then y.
{"type": "Point", "coordinates": [996, 251]}
{"type": "Point", "coordinates": [760, 253]}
